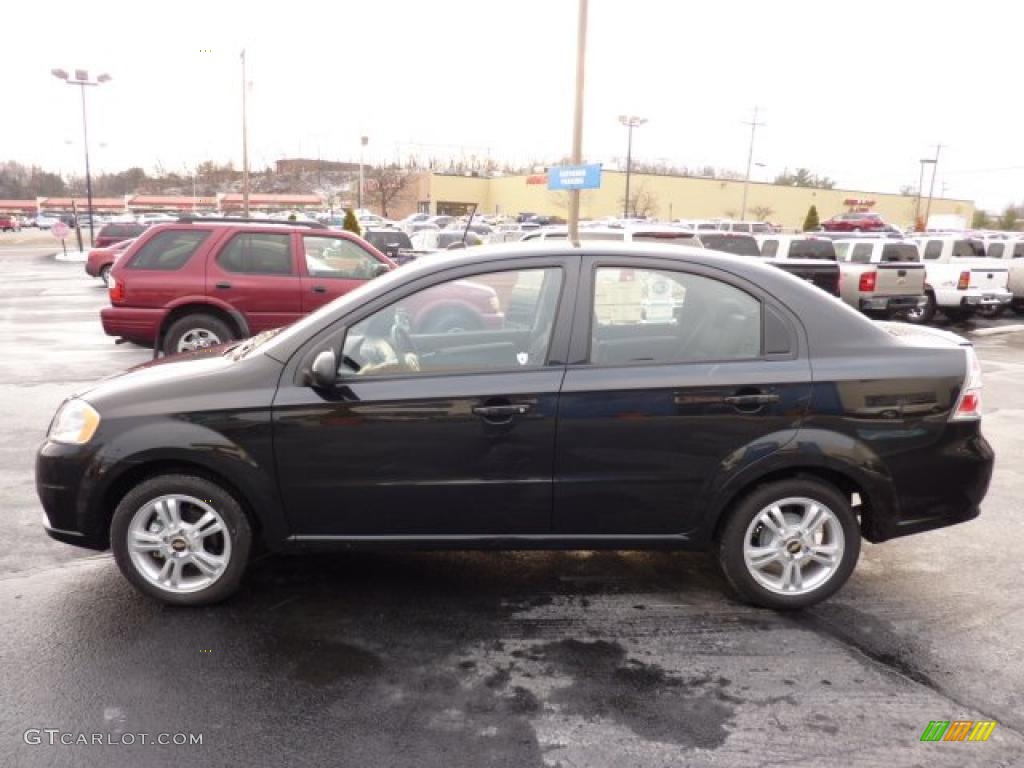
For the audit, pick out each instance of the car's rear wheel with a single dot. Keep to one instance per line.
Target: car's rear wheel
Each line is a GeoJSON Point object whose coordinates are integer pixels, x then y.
{"type": "Point", "coordinates": [196, 331]}
{"type": "Point", "coordinates": [181, 539]}
{"type": "Point", "coordinates": [790, 544]}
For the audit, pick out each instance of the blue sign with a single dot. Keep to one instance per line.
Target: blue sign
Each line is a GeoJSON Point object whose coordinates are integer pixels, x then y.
{"type": "Point", "coordinates": [574, 177]}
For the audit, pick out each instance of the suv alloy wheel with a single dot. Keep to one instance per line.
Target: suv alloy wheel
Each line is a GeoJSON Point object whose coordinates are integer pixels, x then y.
{"type": "Point", "coordinates": [196, 331]}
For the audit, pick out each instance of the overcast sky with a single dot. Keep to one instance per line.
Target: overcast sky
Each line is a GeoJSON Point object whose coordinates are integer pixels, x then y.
{"type": "Point", "coordinates": [856, 91]}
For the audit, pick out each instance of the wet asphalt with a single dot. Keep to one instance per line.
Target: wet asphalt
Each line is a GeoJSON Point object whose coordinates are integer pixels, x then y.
{"type": "Point", "coordinates": [490, 659]}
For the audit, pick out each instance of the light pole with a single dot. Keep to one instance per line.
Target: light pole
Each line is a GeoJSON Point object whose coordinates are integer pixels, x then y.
{"type": "Point", "coordinates": [754, 125]}
{"type": "Point", "coordinates": [931, 187]}
{"type": "Point", "coordinates": [631, 122]}
{"type": "Point", "coordinates": [920, 183]}
{"type": "Point", "coordinates": [245, 145]}
{"type": "Point", "coordinates": [81, 79]}
{"type": "Point", "coordinates": [363, 141]}
{"type": "Point", "coordinates": [577, 120]}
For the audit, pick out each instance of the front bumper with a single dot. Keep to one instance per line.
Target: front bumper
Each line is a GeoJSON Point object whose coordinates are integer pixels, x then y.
{"type": "Point", "coordinates": [64, 481]}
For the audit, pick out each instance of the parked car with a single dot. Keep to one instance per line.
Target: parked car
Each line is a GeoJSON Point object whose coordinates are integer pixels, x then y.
{"type": "Point", "coordinates": [796, 247]}
{"type": "Point", "coordinates": [881, 277]}
{"type": "Point", "coordinates": [744, 227]}
{"type": "Point", "coordinates": [46, 222]}
{"type": "Point", "coordinates": [822, 272]}
{"type": "Point", "coordinates": [9, 222]}
{"type": "Point", "coordinates": [112, 233]}
{"type": "Point", "coordinates": [430, 240]}
{"type": "Point", "coordinates": [189, 285]}
{"type": "Point", "coordinates": [759, 418]}
{"type": "Point", "coordinates": [392, 242]}
{"type": "Point", "coordinates": [960, 279]}
{"type": "Point", "coordinates": [662, 233]}
{"type": "Point", "coordinates": [100, 261]}
{"type": "Point", "coordinates": [855, 222]}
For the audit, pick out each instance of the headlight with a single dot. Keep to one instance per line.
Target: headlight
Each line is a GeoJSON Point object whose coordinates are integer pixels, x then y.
{"type": "Point", "coordinates": [75, 423]}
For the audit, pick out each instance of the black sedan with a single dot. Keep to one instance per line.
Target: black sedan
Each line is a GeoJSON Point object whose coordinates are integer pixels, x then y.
{"type": "Point", "coordinates": [610, 396]}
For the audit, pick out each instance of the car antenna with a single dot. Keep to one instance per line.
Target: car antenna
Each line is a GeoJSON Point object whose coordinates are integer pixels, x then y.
{"type": "Point", "coordinates": [469, 223]}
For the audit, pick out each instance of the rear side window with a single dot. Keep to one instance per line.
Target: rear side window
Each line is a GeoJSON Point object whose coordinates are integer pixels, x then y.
{"type": "Point", "coordinates": [812, 249]}
{"type": "Point", "coordinates": [933, 250]}
{"type": "Point", "coordinates": [995, 250]}
{"type": "Point", "coordinates": [650, 317]}
{"type": "Point", "coordinates": [769, 248]}
{"type": "Point", "coordinates": [169, 250]}
{"type": "Point", "coordinates": [967, 249]}
{"type": "Point", "coordinates": [861, 253]}
{"type": "Point", "coordinates": [741, 245]}
{"type": "Point", "coordinates": [893, 252]}
{"type": "Point", "coordinates": [1018, 251]}
{"type": "Point", "coordinates": [258, 253]}
{"type": "Point", "coordinates": [841, 251]}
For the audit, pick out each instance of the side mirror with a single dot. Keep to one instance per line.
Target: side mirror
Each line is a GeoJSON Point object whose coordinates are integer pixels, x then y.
{"type": "Point", "coordinates": [381, 269]}
{"type": "Point", "coordinates": [324, 372]}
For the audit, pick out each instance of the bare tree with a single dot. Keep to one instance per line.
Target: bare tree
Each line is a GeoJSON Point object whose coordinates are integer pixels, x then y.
{"type": "Point", "coordinates": [642, 202]}
{"type": "Point", "coordinates": [762, 212]}
{"type": "Point", "coordinates": [383, 185]}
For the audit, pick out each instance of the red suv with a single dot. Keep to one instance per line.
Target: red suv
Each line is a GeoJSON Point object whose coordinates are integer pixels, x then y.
{"type": "Point", "coordinates": [855, 222]}
{"type": "Point", "coordinates": [116, 232]}
{"type": "Point", "coordinates": [198, 283]}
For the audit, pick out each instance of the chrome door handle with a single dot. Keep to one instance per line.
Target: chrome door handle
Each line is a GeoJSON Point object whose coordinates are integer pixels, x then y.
{"type": "Point", "coordinates": [501, 411]}
{"type": "Point", "coordinates": [750, 399]}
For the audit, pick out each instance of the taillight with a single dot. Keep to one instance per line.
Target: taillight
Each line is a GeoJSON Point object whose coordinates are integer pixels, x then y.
{"type": "Point", "coordinates": [117, 291]}
{"type": "Point", "coordinates": [964, 282]}
{"type": "Point", "coordinates": [868, 280]}
{"type": "Point", "coordinates": [968, 405]}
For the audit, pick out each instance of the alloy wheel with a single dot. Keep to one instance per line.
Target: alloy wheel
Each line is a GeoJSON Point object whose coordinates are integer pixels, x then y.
{"type": "Point", "coordinates": [197, 338]}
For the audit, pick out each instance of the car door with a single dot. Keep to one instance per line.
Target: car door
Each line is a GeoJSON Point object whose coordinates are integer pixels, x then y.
{"type": "Point", "coordinates": [655, 410]}
{"type": "Point", "coordinates": [431, 434]}
{"type": "Point", "coordinates": [333, 265]}
{"type": "Point", "coordinates": [255, 272]}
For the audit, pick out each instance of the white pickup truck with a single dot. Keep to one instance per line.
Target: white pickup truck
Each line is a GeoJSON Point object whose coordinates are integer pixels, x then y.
{"type": "Point", "coordinates": [880, 276]}
{"type": "Point", "coordinates": [960, 279]}
{"type": "Point", "coordinates": [1011, 250]}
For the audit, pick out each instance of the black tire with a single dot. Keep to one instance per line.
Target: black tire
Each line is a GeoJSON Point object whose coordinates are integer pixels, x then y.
{"type": "Point", "coordinates": [193, 323]}
{"type": "Point", "coordinates": [992, 312]}
{"type": "Point", "coordinates": [1017, 307]}
{"type": "Point", "coordinates": [926, 313]}
{"type": "Point", "coordinates": [733, 535]}
{"type": "Point", "coordinates": [451, 320]}
{"type": "Point", "coordinates": [236, 524]}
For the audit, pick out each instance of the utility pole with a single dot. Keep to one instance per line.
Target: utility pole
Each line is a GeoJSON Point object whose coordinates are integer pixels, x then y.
{"type": "Point", "coordinates": [363, 141]}
{"type": "Point", "coordinates": [577, 123]}
{"type": "Point", "coordinates": [931, 187]}
{"type": "Point", "coordinates": [750, 161]}
{"type": "Point", "coordinates": [245, 146]}
{"type": "Point", "coordinates": [631, 122]}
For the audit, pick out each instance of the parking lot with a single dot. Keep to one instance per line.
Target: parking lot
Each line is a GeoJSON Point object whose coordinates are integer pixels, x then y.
{"type": "Point", "coordinates": [518, 659]}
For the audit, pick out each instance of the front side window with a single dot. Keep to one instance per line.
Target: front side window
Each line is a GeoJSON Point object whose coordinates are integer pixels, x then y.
{"type": "Point", "coordinates": [1018, 251]}
{"type": "Point", "coordinates": [338, 257]}
{"type": "Point", "coordinates": [258, 253]}
{"type": "Point", "coordinates": [169, 250]}
{"type": "Point", "coordinates": [933, 250]}
{"type": "Point", "coordinates": [647, 317]}
{"type": "Point", "coordinates": [995, 250]}
{"type": "Point", "coordinates": [769, 248]}
{"type": "Point", "coordinates": [499, 321]}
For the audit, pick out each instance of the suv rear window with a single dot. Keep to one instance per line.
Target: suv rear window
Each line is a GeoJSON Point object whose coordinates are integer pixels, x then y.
{"type": "Point", "coordinates": [123, 231]}
{"type": "Point", "coordinates": [169, 250]}
{"type": "Point", "coordinates": [812, 249]}
{"type": "Point", "coordinates": [892, 252]}
{"type": "Point", "coordinates": [741, 245]}
{"type": "Point", "coordinates": [968, 249]}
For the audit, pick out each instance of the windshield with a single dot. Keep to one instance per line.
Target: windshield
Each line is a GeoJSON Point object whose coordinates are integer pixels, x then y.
{"type": "Point", "coordinates": [739, 245]}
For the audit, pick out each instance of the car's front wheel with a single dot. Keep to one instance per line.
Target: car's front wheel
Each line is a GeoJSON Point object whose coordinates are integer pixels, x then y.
{"type": "Point", "coordinates": [181, 539]}
{"type": "Point", "coordinates": [790, 544]}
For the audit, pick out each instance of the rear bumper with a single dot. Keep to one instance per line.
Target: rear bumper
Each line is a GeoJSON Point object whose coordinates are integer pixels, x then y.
{"type": "Point", "coordinates": [132, 323]}
{"type": "Point", "coordinates": [892, 303]}
{"type": "Point", "coordinates": [949, 492]}
{"type": "Point", "coordinates": [988, 299]}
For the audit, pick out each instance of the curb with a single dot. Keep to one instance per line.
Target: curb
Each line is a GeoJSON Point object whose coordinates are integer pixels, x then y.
{"type": "Point", "coordinates": [72, 256]}
{"type": "Point", "coordinates": [999, 331]}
